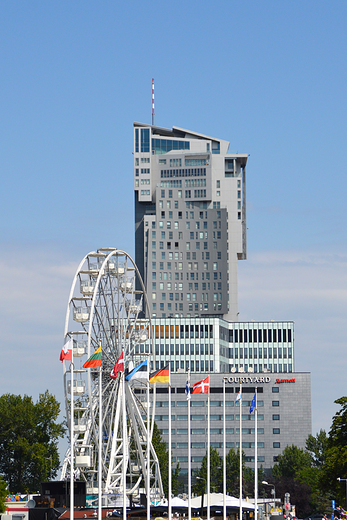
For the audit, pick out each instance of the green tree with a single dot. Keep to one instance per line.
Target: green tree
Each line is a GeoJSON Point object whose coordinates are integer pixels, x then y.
{"type": "Point", "coordinates": [176, 483]}
{"type": "Point", "coordinates": [335, 464]}
{"type": "Point", "coordinates": [233, 472]}
{"type": "Point", "coordinates": [163, 457]}
{"type": "Point", "coordinates": [291, 463]}
{"type": "Point", "coordinates": [216, 480]}
{"type": "Point", "coordinates": [29, 437]}
{"type": "Point", "coordinates": [318, 448]}
{"type": "Point", "coordinates": [3, 494]}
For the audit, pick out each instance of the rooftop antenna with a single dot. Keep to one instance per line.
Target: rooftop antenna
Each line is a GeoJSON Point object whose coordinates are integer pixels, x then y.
{"type": "Point", "coordinates": [153, 102]}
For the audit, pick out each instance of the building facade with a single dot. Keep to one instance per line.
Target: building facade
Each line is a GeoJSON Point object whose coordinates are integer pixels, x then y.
{"type": "Point", "coordinates": [210, 345]}
{"type": "Point", "coordinates": [284, 415]}
{"type": "Point", "coordinates": [190, 221]}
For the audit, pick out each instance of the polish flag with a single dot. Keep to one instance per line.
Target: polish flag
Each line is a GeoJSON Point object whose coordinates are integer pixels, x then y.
{"type": "Point", "coordinates": [202, 387]}
{"type": "Point", "coordinates": [66, 351]}
{"type": "Point", "coordinates": [119, 366]}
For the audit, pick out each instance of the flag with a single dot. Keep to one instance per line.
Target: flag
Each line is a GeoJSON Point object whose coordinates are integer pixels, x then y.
{"type": "Point", "coordinates": [253, 403]}
{"type": "Point", "coordinates": [161, 376]}
{"type": "Point", "coordinates": [239, 395]}
{"type": "Point", "coordinates": [139, 372]}
{"type": "Point", "coordinates": [66, 351]}
{"type": "Point", "coordinates": [188, 387]}
{"type": "Point", "coordinates": [119, 366]}
{"type": "Point", "coordinates": [202, 387]}
{"type": "Point", "coordinates": [95, 360]}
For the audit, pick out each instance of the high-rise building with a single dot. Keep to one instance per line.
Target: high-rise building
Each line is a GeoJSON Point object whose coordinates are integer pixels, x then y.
{"type": "Point", "coordinates": [190, 221]}
{"type": "Point", "coordinates": [190, 233]}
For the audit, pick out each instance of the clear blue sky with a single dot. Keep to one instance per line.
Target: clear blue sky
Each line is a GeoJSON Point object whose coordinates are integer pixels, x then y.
{"type": "Point", "coordinates": [268, 76]}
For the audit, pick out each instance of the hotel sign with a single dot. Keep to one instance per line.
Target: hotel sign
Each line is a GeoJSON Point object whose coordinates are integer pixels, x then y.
{"type": "Point", "coordinates": [247, 379]}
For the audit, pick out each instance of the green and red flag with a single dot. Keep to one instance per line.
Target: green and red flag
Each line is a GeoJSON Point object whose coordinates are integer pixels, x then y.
{"type": "Point", "coordinates": [95, 360]}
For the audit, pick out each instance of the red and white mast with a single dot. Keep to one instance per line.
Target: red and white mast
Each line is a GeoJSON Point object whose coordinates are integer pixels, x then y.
{"type": "Point", "coordinates": [153, 102]}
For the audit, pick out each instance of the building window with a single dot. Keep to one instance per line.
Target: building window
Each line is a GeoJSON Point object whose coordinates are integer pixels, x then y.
{"type": "Point", "coordinates": [275, 389]}
{"type": "Point", "coordinates": [276, 445]}
{"type": "Point", "coordinates": [276, 431]}
{"type": "Point", "coordinates": [275, 417]}
{"type": "Point", "coordinates": [275, 403]}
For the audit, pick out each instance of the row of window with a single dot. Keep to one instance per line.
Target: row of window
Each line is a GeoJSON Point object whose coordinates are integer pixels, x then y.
{"type": "Point", "coordinates": [184, 331]}
{"type": "Point", "coordinates": [183, 172]}
{"type": "Point", "coordinates": [178, 308]}
{"type": "Point", "coordinates": [199, 365]}
{"type": "Point", "coordinates": [265, 352]}
{"type": "Point", "coordinates": [203, 349]}
{"type": "Point", "coordinates": [179, 276]}
{"type": "Point", "coordinates": [198, 194]}
{"type": "Point", "coordinates": [202, 404]}
{"type": "Point", "coordinates": [202, 445]}
{"type": "Point", "coordinates": [267, 366]}
{"type": "Point", "coordinates": [213, 417]}
{"type": "Point", "coordinates": [188, 162]}
{"type": "Point", "coordinates": [184, 458]}
{"type": "Point", "coordinates": [189, 296]}
{"type": "Point", "coordinates": [215, 431]}
{"type": "Point", "coordinates": [256, 335]}
{"type": "Point", "coordinates": [178, 255]}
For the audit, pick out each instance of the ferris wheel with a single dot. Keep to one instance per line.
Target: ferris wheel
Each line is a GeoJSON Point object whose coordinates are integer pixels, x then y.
{"type": "Point", "coordinates": [106, 306]}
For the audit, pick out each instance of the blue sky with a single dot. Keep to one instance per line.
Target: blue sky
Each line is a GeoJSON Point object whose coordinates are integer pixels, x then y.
{"type": "Point", "coordinates": [270, 77]}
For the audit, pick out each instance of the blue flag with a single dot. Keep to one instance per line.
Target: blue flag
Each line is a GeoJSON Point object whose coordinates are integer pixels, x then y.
{"type": "Point", "coordinates": [139, 372]}
{"type": "Point", "coordinates": [253, 403]}
{"type": "Point", "coordinates": [188, 387]}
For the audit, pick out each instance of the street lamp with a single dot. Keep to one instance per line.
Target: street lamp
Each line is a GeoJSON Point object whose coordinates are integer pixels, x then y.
{"type": "Point", "coordinates": [202, 494]}
{"type": "Point", "coordinates": [273, 491]}
{"type": "Point", "coordinates": [345, 480]}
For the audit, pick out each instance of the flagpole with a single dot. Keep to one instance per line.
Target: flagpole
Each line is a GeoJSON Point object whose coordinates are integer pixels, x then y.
{"type": "Point", "coordinates": [124, 450]}
{"type": "Point", "coordinates": [256, 458]}
{"type": "Point", "coordinates": [72, 505]}
{"type": "Point", "coordinates": [224, 457]}
{"type": "Point", "coordinates": [148, 457]}
{"type": "Point", "coordinates": [189, 456]}
{"type": "Point", "coordinates": [240, 452]}
{"type": "Point", "coordinates": [100, 445]}
{"type": "Point", "coordinates": [208, 456]}
{"type": "Point", "coordinates": [170, 471]}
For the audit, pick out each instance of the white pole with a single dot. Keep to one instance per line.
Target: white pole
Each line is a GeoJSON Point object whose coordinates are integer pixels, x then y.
{"type": "Point", "coordinates": [100, 445]}
{"type": "Point", "coordinates": [124, 450]}
{"type": "Point", "coordinates": [148, 457]}
{"type": "Point", "coordinates": [224, 458]}
{"type": "Point", "coordinates": [208, 456]}
{"type": "Point", "coordinates": [189, 458]}
{"type": "Point", "coordinates": [170, 470]}
{"type": "Point", "coordinates": [72, 443]}
{"type": "Point", "coordinates": [240, 453]}
{"type": "Point", "coordinates": [256, 458]}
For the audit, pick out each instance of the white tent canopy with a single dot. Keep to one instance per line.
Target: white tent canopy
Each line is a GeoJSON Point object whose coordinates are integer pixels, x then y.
{"type": "Point", "coordinates": [216, 500]}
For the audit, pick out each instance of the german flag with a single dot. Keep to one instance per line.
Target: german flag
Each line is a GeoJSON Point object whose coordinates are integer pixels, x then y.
{"type": "Point", "coordinates": [95, 360]}
{"type": "Point", "coordinates": [161, 376]}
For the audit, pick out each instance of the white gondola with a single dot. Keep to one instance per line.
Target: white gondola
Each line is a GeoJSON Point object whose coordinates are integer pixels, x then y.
{"type": "Point", "coordinates": [87, 286]}
{"type": "Point", "coordinates": [79, 387]}
{"type": "Point", "coordinates": [126, 287]}
{"type": "Point", "coordinates": [79, 348]}
{"type": "Point", "coordinates": [80, 425]}
{"type": "Point", "coordinates": [81, 314]}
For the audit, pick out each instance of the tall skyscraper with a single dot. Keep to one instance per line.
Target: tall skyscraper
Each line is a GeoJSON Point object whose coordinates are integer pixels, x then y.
{"type": "Point", "coordinates": [190, 221]}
